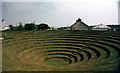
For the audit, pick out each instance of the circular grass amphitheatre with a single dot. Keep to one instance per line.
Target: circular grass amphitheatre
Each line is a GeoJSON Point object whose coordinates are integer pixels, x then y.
{"type": "Point", "coordinates": [61, 51]}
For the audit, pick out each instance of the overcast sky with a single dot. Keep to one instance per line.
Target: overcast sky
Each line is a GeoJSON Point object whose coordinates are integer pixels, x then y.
{"type": "Point", "coordinates": [60, 13]}
{"type": "Point", "coordinates": [119, 12]}
{"type": "Point", "coordinates": [0, 11]}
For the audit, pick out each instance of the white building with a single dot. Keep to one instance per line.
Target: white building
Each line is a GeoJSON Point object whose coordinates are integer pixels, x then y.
{"type": "Point", "coordinates": [101, 27]}
{"type": "Point", "coordinates": [79, 25]}
{"type": "Point", "coordinates": [3, 28]}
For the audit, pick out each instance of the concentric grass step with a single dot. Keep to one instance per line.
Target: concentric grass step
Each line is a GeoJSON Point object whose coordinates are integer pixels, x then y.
{"type": "Point", "coordinates": [69, 50]}
{"type": "Point", "coordinates": [66, 51]}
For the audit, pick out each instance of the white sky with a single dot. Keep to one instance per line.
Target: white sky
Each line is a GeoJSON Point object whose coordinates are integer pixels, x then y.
{"type": "Point", "coordinates": [57, 0]}
{"type": "Point", "coordinates": [119, 12]}
{"type": "Point", "coordinates": [0, 10]}
{"type": "Point", "coordinates": [61, 12]}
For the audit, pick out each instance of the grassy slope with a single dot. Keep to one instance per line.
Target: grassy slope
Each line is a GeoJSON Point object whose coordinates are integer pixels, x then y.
{"type": "Point", "coordinates": [63, 50]}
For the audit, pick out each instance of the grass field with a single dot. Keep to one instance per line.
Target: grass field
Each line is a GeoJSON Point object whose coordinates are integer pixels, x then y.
{"type": "Point", "coordinates": [61, 51]}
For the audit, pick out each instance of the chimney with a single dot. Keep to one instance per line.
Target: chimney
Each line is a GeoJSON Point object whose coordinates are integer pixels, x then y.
{"type": "Point", "coordinates": [79, 20]}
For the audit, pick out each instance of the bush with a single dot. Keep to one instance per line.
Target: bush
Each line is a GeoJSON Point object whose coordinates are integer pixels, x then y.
{"type": "Point", "coordinates": [43, 26]}
{"type": "Point", "coordinates": [30, 26]}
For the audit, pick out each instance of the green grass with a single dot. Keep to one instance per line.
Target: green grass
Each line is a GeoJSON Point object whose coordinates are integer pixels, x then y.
{"type": "Point", "coordinates": [61, 51]}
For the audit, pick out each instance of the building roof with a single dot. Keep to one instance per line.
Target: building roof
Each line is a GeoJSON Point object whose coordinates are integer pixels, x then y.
{"type": "Point", "coordinates": [79, 22]}
{"type": "Point", "coordinates": [101, 26]}
{"type": "Point", "coordinates": [5, 28]}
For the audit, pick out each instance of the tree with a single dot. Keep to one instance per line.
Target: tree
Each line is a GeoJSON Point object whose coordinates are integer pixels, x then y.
{"type": "Point", "coordinates": [43, 26]}
{"type": "Point", "coordinates": [30, 26]}
{"type": "Point", "coordinates": [20, 26]}
{"type": "Point", "coordinates": [11, 27]}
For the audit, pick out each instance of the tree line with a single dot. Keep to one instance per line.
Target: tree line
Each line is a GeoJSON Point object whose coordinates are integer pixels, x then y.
{"type": "Point", "coordinates": [30, 26]}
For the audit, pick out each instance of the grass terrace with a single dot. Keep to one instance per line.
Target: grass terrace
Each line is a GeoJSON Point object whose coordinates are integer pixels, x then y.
{"type": "Point", "coordinates": [61, 51]}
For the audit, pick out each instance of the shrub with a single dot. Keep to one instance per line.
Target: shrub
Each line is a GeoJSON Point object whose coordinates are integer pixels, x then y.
{"type": "Point", "coordinates": [43, 26]}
